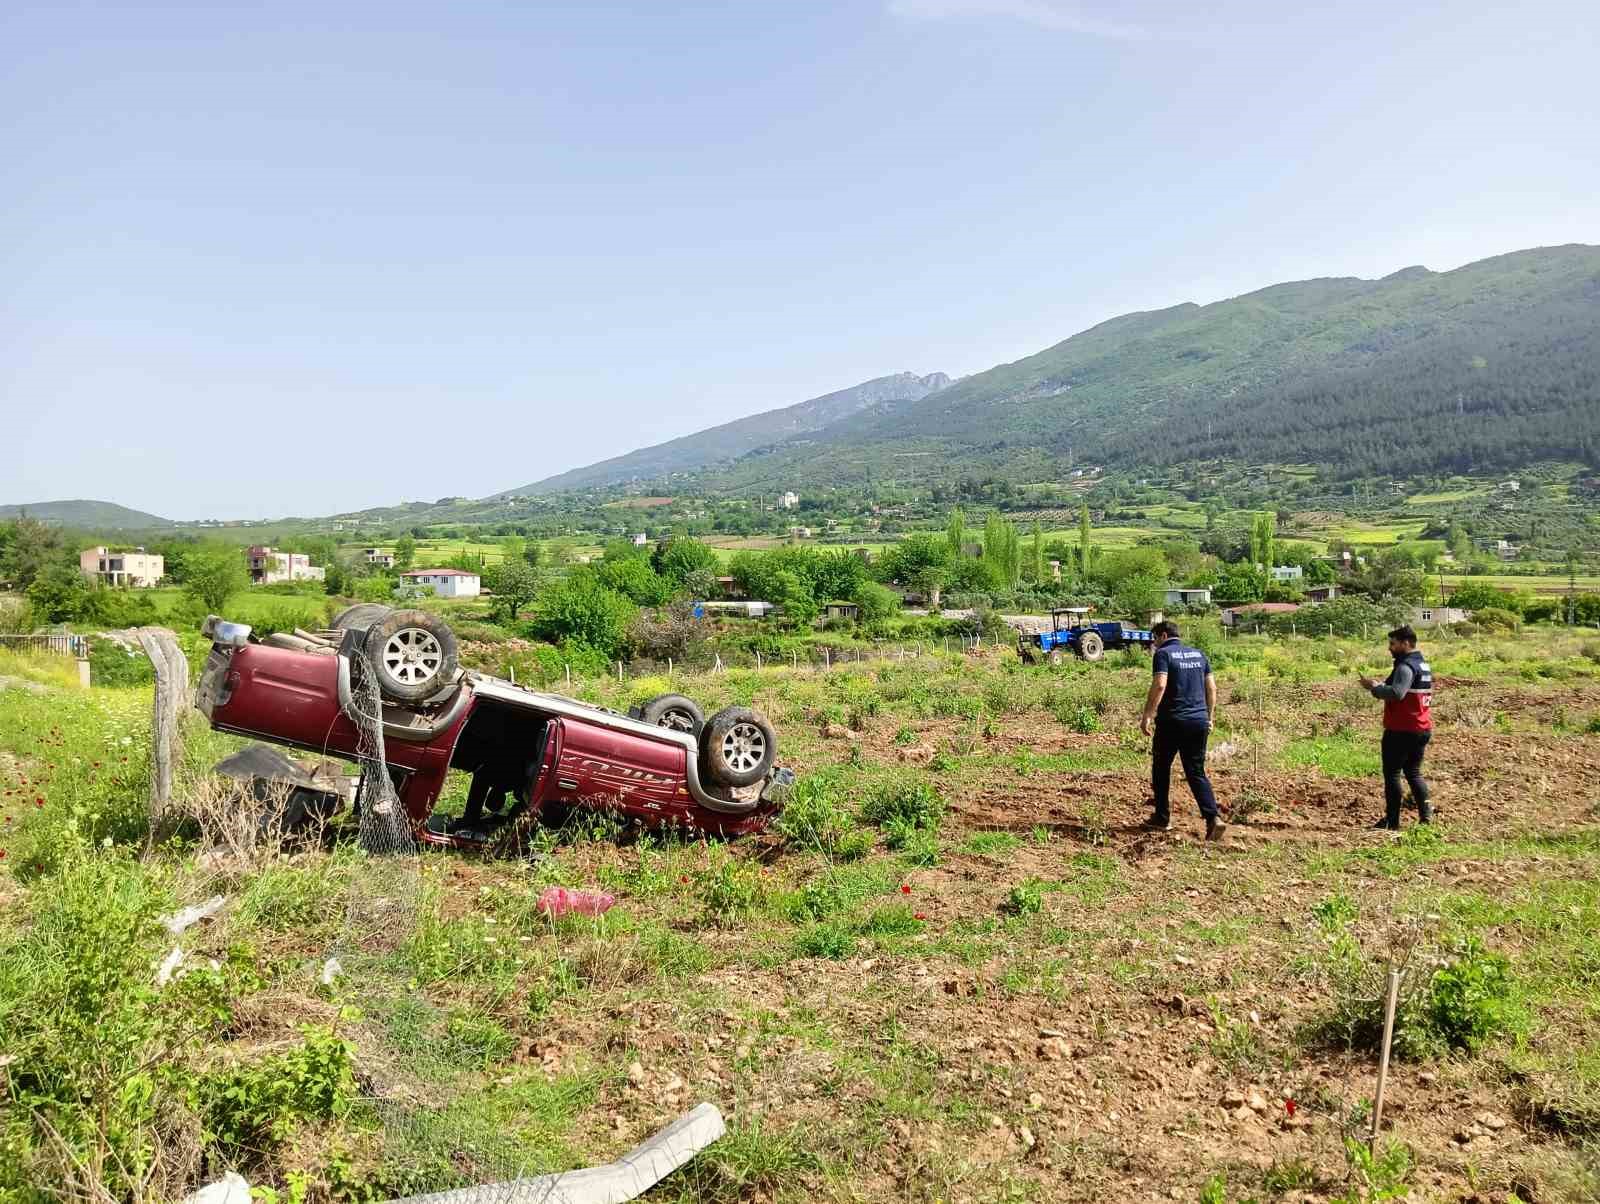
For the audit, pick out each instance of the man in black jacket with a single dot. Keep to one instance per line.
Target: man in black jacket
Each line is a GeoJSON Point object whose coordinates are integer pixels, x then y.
{"type": "Point", "coordinates": [1181, 704]}
{"type": "Point", "coordinates": [1407, 696]}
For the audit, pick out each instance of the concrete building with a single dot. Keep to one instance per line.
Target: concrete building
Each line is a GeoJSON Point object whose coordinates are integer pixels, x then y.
{"type": "Point", "coordinates": [379, 557]}
{"type": "Point", "coordinates": [639, 540]}
{"type": "Point", "coordinates": [1177, 596]}
{"type": "Point", "coordinates": [1436, 616]}
{"type": "Point", "coordinates": [137, 569]}
{"type": "Point", "coordinates": [841, 610]}
{"type": "Point", "coordinates": [740, 610]}
{"type": "Point", "coordinates": [1287, 572]}
{"type": "Point", "coordinates": [445, 583]}
{"type": "Point", "coordinates": [268, 566]}
{"type": "Point", "coordinates": [1321, 593]}
{"type": "Point", "coordinates": [789, 501]}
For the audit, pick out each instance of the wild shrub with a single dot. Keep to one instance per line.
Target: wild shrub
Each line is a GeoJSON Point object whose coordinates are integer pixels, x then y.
{"type": "Point", "coordinates": [729, 888]}
{"type": "Point", "coordinates": [816, 818]}
{"type": "Point", "coordinates": [1023, 900]}
{"type": "Point", "coordinates": [1458, 999]}
{"type": "Point", "coordinates": [833, 939]}
{"type": "Point", "coordinates": [908, 802]}
{"type": "Point", "coordinates": [916, 846]}
{"type": "Point", "coordinates": [110, 664]}
{"type": "Point", "coordinates": [249, 1110]}
{"type": "Point", "coordinates": [95, 1045]}
{"type": "Point", "coordinates": [1080, 718]}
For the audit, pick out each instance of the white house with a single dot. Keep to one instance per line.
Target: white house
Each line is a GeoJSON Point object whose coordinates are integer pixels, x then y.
{"type": "Point", "coordinates": [445, 583]}
{"type": "Point", "coordinates": [1287, 572]}
{"type": "Point", "coordinates": [138, 568]}
{"type": "Point", "coordinates": [1177, 596]}
{"type": "Point", "coordinates": [639, 539]}
{"type": "Point", "coordinates": [1436, 616]}
{"type": "Point", "coordinates": [789, 500]}
{"type": "Point", "coordinates": [268, 566]}
{"type": "Point", "coordinates": [379, 557]}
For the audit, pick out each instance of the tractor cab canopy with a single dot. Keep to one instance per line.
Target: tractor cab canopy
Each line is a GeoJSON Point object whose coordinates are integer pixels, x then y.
{"type": "Point", "coordinates": [1069, 618]}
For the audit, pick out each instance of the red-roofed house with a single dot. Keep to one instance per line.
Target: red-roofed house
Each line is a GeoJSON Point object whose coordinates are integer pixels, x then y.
{"type": "Point", "coordinates": [445, 583]}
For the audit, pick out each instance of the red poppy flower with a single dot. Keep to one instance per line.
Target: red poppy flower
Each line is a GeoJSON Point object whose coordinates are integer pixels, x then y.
{"type": "Point", "coordinates": [2, 854]}
{"type": "Point", "coordinates": [905, 888]}
{"type": "Point", "coordinates": [1289, 1106]}
{"type": "Point", "coordinates": [919, 916]}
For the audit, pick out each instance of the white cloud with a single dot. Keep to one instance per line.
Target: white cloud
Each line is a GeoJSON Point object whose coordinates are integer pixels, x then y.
{"type": "Point", "coordinates": [1048, 14]}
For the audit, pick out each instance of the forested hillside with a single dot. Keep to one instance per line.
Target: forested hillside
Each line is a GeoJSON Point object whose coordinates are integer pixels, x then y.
{"type": "Point", "coordinates": [90, 515]}
{"type": "Point", "coordinates": [1484, 368]}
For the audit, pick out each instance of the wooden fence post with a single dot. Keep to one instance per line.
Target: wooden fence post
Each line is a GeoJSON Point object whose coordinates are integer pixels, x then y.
{"type": "Point", "coordinates": [170, 702]}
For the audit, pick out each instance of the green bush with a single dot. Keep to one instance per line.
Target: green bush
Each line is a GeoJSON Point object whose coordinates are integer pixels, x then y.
{"type": "Point", "coordinates": [95, 1046]}
{"type": "Point", "coordinates": [1026, 899]}
{"type": "Point", "coordinates": [249, 1110]}
{"type": "Point", "coordinates": [110, 664]}
{"type": "Point", "coordinates": [1458, 1001]}
{"type": "Point", "coordinates": [1494, 618]}
{"type": "Point", "coordinates": [905, 804]}
{"type": "Point", "coordinates": [816, 818]}
{"type": "Point", "coordinates": [728, 887]}
{"type": "Point", "coordinates": [1470, 1000]}
{"type": "Point", "coordinates": [833, 939]}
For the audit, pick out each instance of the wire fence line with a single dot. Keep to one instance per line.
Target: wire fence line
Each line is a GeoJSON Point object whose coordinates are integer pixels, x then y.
{"type": "Point", "coordinates": [64, 643]}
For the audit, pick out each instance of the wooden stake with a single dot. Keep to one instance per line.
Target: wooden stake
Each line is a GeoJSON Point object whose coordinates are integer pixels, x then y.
{"type": "Point", "coordinates": [1383, 1061]}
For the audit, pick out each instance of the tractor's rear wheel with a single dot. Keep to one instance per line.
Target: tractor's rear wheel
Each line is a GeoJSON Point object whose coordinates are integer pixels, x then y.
{"type": "Point", "coordinates": [1090, 646]}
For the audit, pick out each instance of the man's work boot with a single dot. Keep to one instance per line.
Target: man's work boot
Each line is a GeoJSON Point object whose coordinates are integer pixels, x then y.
{"type": "Point", "coordinates": [1386, 825]}
{"type": "Point", "coordinates": [1424, 813]}
{"type": "Point", "coordinates": [1215, 828]}
{"type": "Point", "coordinates": [1159, 821]}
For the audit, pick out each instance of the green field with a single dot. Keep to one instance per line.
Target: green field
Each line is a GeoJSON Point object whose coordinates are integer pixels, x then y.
{"type": "Point", "coordinates": [957, 968]}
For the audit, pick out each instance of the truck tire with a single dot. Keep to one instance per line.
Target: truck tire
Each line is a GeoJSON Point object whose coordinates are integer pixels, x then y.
{"type": "Point", "coordinates": [675, 713]}
{"type": "Point", "coordinates": [412, 654]}
{"type": "Point", "coordinates": [739, 747]}
{"type": "Point", "coordinates": [361, 616]}
{"type": "Point", "coordinates": [1090, 646]}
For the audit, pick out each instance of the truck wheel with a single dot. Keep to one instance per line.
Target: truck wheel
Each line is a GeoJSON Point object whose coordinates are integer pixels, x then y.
{"type": "Point", "coordinates": [412, 654]}
{"type": "Point", "coordinates": [675, 713]}
{"type": "Point", "coordinates": [1090, 646]}
{"type": "Point", "coordinates": [739, 747]}
{"type": "Point", "coordinates": [361, 616]}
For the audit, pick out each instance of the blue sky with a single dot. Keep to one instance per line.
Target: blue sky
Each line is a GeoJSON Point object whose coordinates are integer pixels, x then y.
{"type": "Point", "coordinates": [295, 258]}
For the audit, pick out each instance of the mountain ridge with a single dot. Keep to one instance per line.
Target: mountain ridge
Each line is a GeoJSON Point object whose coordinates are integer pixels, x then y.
{"type": "Point", "coordinates": [729, 440]}
{"type": "Point", "coordinates": [86, 512]}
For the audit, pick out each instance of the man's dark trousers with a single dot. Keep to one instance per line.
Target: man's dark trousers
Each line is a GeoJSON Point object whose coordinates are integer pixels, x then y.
{"type": "Point", "coordinates": [1402, 757]}
{"type": "Point", "coordinates": [1186, 740]}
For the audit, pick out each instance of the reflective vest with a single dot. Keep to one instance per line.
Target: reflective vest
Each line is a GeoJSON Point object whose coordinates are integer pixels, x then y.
{"type": "Point", "coordinates": [1414, 712]}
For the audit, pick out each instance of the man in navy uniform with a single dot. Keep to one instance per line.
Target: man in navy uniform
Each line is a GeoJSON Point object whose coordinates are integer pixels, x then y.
{"type": "Point", "coordinates": [1181, 703]}
{"type": "Point", "coordinates": [1407, 725]}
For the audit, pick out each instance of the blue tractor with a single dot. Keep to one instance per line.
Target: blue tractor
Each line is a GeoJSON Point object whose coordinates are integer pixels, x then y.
{"type": "Point", "coordinates": [1071, 633]}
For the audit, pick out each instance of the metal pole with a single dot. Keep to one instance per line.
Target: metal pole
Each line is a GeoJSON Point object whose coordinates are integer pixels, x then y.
{"type": "Point", "coordinates": [1383, 1062]}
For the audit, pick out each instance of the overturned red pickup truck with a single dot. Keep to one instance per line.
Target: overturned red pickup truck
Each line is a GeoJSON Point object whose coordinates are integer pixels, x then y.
{"type": "Point", "coordinates": [530, 754]}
